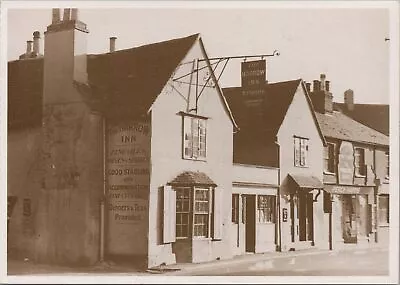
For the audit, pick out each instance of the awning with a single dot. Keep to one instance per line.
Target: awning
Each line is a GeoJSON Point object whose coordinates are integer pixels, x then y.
{"type": "Point", "coordinates": [192, 178]}
{"type": "Point", "coordinates": [352, 190]}
{"type": "Point", "coordinates": [306, 182]}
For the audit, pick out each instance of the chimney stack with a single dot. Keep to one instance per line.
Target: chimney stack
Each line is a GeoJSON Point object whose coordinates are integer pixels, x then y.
{"type": "Point", "coordinates": [322, 78]}
{"type": "Point", "coordinates": [349, 99]}
{"type": "Point", "coordinates": [28, 47]}
{"type": "Point", "coordinates": [56, 16]}
{"type": "Point", "coordinates": [74, 14]}
{"type": "Point", "coordinates": [327, 85]}
{"type": "Point", "coordinates": [112, 44]}
{"type": "Point", "coordinates": [67, 14]}
{"type": "Point", "coordinates": [36, 38]}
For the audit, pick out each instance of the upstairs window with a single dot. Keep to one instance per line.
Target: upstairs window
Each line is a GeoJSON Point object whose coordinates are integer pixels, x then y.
{"type": "Point", "coordinates": [300, 151]}
{"type": "Point", "coordinates": [387, 164]}
{"type": "Point", "coordinates": [194, 137]}
{"type": "Point", "coordinates": [359, 161]}
{"type": "Point", "coordinates": [329, 158]}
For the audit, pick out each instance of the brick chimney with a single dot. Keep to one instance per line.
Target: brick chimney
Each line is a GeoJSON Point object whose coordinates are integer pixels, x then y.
{"type": "Point", "coordinates": [65, 56]}
{"type": "Point", "coordinates": [321, 96]}
{"type": "Point", "coordinates": [349, 99]}
{"type": "Point", "coordinates": [36, 43]}
{"type": "Point", "coordinates": [71, 184]}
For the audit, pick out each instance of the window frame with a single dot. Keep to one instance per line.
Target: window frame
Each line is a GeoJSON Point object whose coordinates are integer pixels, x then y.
{"type": "Point", "coordinates": [301, 149]}
{"type": "Point", "coordinates": [183, 212]}
{"type": "Point", "coordinates": [386, 210]}
{"type": "Point", "coordinates": [194, 137]}
{"type": "Point", "coordinates": [330, 158]}
{"type": "Point", "coordinates": [359, 166]}
{"type": "Point", "coordinates": [387, 173]}
{"type": "Point", "coordinates": [266, 211]}
{"type": "Point", "coordinates": [235, 209]}
{"type": "Point", "coordinates": [194, 212]}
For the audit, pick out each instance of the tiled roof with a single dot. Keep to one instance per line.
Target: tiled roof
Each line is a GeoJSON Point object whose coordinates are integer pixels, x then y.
{"type": "Point", "coordinates": [338, 125]}
{"type": "Point", "coordinates": [277, 99]}
{"type": "Point", "coordinates": [306, 181]}
{"type": "Point", "coordinates": [130, 80]}
{"type": "Point", "coordinates": [126, 82]}
{"type": "Point", "coordinates": [193, 178]}
{"type": "Point", "coordinates": [362, 113]}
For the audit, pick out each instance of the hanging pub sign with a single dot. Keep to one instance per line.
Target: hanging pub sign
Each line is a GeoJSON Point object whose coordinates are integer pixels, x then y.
{"type": "Point", "coordinates": [346, 163]}
{"type": "Point", "coordinates": [253, 75]}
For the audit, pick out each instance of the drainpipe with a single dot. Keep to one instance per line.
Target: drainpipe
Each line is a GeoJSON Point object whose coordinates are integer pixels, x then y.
{"type": "Point", "coordinates": [376, 186]}
{"type": "Point", "coordinates": [102, 201]}
{"type": "Point", "coordinates": [279, 248]}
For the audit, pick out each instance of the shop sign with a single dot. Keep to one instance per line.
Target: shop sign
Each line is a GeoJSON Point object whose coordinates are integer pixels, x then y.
{"type": "Point", "coordinates": [284, 214]}
{"type": "Point", "coordinates": [346, 163]}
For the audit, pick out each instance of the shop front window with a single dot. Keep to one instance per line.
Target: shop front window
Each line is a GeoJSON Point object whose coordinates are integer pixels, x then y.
{"type": "Point", "coordinates": [266, 209]}
{"type": "Point", "coordinates": [383, 214]}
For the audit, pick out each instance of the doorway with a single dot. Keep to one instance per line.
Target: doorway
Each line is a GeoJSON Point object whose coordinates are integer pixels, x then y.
{"type": "Point", "coordinates": [250, 222]}
{"type": "Point", "coordinates": [350, 218]}
{"type": "Point", "coordinates": [305, 216]}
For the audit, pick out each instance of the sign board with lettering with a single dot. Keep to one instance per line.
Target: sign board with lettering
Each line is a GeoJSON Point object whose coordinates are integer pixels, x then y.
{"type": "Point", "coordinates": [346, 163]}
{"type": "Point", "coordinates": [253, 81]}
{"type": "Point", "coordinates": [128, 173]}
{"type": "Point", "coordinates": [284, 214]}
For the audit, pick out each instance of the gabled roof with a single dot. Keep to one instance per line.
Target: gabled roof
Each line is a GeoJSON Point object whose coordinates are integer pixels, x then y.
{"type": "Point", "coordinates": [277, 99]}
{"type": "Point", "coordinates": [362, 113]}
{"type": "Point", "coordinates": [339, 126]}
{"type": "Point", "coordinates": [122, 84]}
{"type": "Point", "coordinates": [130, 80]}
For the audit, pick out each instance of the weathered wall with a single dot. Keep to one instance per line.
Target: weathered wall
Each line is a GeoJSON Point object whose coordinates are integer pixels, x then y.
{"type": "Point", "coordinates": [167, 162]}
{"type": "Point", "coordinates": [299, 115]}
{"type": "Point", "coordinates": [23, 181]}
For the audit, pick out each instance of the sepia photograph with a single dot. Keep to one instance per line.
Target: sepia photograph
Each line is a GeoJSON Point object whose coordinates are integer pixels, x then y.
{"type": "Point", "coordinates": [199, 141]}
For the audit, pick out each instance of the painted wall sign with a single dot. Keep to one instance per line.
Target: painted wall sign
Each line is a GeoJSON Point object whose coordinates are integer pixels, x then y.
{"type": "Point", "coordinates": [346, 163]}
{"type": "Point", "coordinates": [128, 172]}
{"type": "Point", "coordinates": [253, 80]}
{"type": "Point", "coordinates": [284, 214]}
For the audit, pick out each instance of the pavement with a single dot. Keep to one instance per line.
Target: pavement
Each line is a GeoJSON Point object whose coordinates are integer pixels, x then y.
{"type": "Point", "coordinates": [27, 267]}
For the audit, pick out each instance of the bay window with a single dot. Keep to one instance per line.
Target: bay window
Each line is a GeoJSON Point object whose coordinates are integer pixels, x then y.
{"type": "Point", "coordinates": [329, 158]}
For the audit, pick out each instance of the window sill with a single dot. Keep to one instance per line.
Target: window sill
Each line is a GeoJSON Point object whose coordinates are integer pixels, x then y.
{"type": "Point", "coordinates": [359, 175]}
{"type": "Point", "coordinates": [329, 173]}
{"type": "Point", "coordinates": [384, 225]}
{"type": "Point", "coordinates": [302, 166]}
{"type": "Point", "coordinates": [195, 159]}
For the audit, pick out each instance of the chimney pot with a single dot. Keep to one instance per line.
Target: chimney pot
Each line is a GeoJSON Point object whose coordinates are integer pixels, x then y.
{"type": "Point", "coordinates": [316, 86]}
{"type": "Point", "coordinates": [56, 16]}
{"type": "Point", "coordinates": [28, 47]}
{"type": "Point", "coordinates": [74, 14]}
{"type": "Point", "coordinates": [67, 14]}
{"type": "Point", "coordinates": [322, 78]}
{"type": "Point", "coordinates": [349, 99]}
{"type": "Point", "coordinates": [112, 43]}
{"type": "Point", "coordinates": [308, 87]}
{"type": "Point", "coordinates": [327, 85]}
{"type": "Point", "coordinates": [36, 38]}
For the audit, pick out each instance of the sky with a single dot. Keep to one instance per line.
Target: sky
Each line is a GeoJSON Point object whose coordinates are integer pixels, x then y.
{"type": "Point", "coordinates": [346, 44]}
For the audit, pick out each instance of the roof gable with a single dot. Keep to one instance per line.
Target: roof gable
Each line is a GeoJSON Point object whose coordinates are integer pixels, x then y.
{"type": "Point", "coordinates": [274, 106]}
